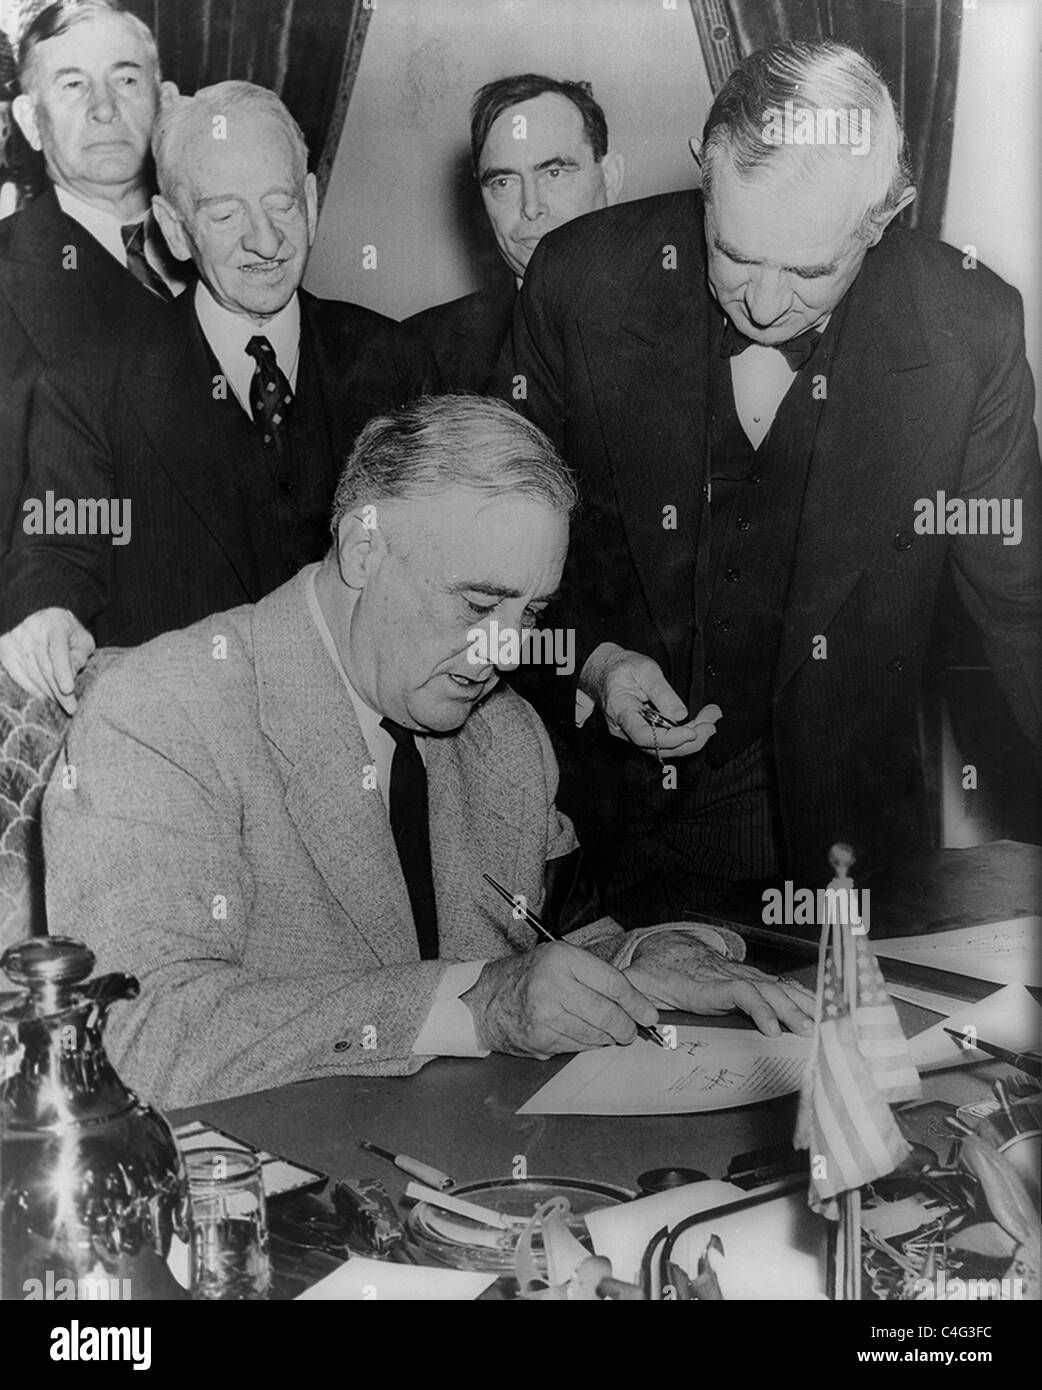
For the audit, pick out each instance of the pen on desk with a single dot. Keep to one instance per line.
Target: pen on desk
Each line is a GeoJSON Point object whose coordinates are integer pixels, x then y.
{"type": "Point", "coordinates": [433, 1177]}
{"type": "Point", "coordinates": [541, 929]}
{"type": "Point", "coordinates": [1029, 1062]}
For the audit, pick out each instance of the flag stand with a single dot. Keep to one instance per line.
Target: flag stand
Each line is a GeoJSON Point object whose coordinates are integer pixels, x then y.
{"type": "Point", "coordinates": [858, 1066]}
{"type": "Point", "coordinates": [847, 1265]}
{"type": "Point", "coordinates": [848, 1230]}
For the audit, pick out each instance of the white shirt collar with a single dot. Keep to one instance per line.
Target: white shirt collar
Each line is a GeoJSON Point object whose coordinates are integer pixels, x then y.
{"type": "Point", "coordinates": [104, 226]}
{"type": "Point", "coordinates": [228, 333]}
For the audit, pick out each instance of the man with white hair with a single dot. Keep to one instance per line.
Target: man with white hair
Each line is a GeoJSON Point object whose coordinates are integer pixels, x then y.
{"type": "Point", "coordinates": [303, 824]}
{"type": "Point", "coordinates": [764, 387]}
{"type": "Point", "coordinates": [219, 433]}
{"type": "Point", "coordinates": [87, 251]}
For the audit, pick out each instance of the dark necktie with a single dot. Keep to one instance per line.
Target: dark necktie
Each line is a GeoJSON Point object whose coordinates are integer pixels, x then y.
{"type": "Point", "coordinates": [797, 351]}
{"type": "Point", "coordinates": [407, 803]}
{"type": "Point", "coordinates": [133, 235]}
{"type": "Point", "coordinates": [271, 397]}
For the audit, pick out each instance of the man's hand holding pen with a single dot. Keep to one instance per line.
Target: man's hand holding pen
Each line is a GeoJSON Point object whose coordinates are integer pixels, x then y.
{"type": "Point", "coordinates": [560, 998]}
{"type": "Point", "coordinates": [555, 998]}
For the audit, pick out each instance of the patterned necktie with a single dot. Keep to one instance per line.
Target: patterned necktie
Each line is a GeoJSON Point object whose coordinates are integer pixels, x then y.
{"type": "Point", "coordinates": [797, 351]}
{"type": "Point", "coordinates": [410, 826]}
{"type": "Point", "coordinates": [133, 235]}
{"type": "Point", "coordinates": [271, 397]}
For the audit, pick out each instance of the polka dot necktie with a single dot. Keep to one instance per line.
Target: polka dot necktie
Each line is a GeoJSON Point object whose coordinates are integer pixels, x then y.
{"type": "Point", "coordinates": [271, 397]}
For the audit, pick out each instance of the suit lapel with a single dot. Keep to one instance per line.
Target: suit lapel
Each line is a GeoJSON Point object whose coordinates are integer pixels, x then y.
{"type": "Point", "coordinates": [481, 335]}
{"type": "Point", "coordinates": [55, 246]}
{"type": "Point", "coordinates": [648, 371]}
{"type": "Point", "coordinates": [477, 826]}
{"type": "Point", "coordinates": [885, 397]}
{"type": "Point", "coordinates": [198, 441]}
{"type": "Point", "coordinates": [308, 715]}
{"type": "Point", "coordinates": [327, 381]}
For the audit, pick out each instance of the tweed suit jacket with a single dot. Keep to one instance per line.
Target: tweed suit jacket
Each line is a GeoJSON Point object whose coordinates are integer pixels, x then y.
{"type": "Point", "coordinates": [929, 391]}
{"type": "Point", "coordinates": [225, 846]}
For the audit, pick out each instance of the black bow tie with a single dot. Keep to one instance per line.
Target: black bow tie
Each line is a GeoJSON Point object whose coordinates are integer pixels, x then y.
{"type": "Point", "coordinates": [797, 351]}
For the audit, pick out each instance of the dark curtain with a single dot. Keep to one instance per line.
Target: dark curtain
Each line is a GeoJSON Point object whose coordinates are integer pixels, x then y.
{"type": "Point", "coordinates": [914, 43]}
{"type": "Point", "coordinates": [307, 51]}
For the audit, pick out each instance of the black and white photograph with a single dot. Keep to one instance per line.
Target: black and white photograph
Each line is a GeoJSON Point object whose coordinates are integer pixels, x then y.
{"type": "Point", "coordinates": [521, 668]}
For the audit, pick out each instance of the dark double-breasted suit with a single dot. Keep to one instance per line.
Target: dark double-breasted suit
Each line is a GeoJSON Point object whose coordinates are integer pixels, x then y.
{"type": "Point", "coordinates": [928, 391]}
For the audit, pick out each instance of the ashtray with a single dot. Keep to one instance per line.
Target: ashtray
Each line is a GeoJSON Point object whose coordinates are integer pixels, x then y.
{"type": "Point", "coordinates": [458, 1242]}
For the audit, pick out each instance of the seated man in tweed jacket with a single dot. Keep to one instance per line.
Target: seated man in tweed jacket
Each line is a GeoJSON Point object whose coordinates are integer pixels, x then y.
{"type": "Point", "coordinates": [282, 814]}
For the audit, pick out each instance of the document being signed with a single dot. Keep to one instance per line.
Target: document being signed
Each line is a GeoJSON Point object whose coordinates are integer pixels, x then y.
{"type": "Point", "coordinates": [708, 1069]}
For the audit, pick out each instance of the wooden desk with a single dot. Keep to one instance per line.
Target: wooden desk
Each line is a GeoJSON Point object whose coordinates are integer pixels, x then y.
{"type": "Point", "coordinates": [459, 1115]}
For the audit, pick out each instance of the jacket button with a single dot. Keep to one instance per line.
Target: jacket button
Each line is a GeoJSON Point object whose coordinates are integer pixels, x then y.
{"type": "Point", "coordinates": [711, 672]}
{"type": "Point", "coordinates": [754, 479]}
{"type": "Point", "coordinates": [902, 541]}
{"type": "Point", "coordinates": [732, 576]}
{"type": "Point", "coordinates": [723, 624]}
{"type": "Point", "coordinates": [341, 1046]}
{"type": "Point", "coordinates": [743, 523]}
{"type": "Point", "coordinates": [896, 663]}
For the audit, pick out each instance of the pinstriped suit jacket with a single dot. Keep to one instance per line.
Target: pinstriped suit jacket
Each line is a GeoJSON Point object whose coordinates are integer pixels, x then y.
{"type": "Point", "coordinates": [222, 846]}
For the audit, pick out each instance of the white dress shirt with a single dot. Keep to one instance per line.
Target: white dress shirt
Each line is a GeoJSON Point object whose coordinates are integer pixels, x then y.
{"type": "Point", "coordinates": [228, 333]}
{"type": "Point", "coordinates": [761, 376]}
{"type": "Point", "coordinates": [105, 227]}
{"type": "Point", "coordinates": [448, 1030]}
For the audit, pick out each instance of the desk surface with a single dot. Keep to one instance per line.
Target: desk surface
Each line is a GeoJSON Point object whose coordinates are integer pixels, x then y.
{"type": "Point", "coordinates": [939, 891]}
{"type": "Point", "coordinates": [459, 1115]}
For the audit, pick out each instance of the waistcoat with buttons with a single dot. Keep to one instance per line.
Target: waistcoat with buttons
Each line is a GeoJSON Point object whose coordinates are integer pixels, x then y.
{"type": "Point", "coordinates": [756, 496]}
{"type": "Point", "coordinates": [288, 497]}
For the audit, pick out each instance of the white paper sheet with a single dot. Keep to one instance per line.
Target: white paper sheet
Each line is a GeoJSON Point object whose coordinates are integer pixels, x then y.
{"type": "Point", "coordinates": [366, 1280]}
{"type": "Point", "coordinates": [1008, 1018]}
{"type": "Point", "coordinates": [709, 1069]}
{"type": "Point", "coordinates": [944, 1004]}
{"type": "Point", "coordinates": [621, 1232]}
{"type": "Point", "coordinates": [1005, 952]}
{"type": "Point", "coordinates": [774, 1250]}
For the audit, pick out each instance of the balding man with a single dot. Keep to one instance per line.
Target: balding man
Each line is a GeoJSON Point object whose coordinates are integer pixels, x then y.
{"type": "Point", "coordinates": [87, 252]}
{"type": "Point", "coordinates": [780, 407]}
{"type": "Point", "coordinates": [213, 442]}
{"type": "Point", "coordinates": [304, 822]}
{"type": "Point", "coordinates": [540, 154]}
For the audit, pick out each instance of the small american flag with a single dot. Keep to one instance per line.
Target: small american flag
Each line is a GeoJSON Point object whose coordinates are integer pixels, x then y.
{"type": "Point", "coordinates": [859, 1063]}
